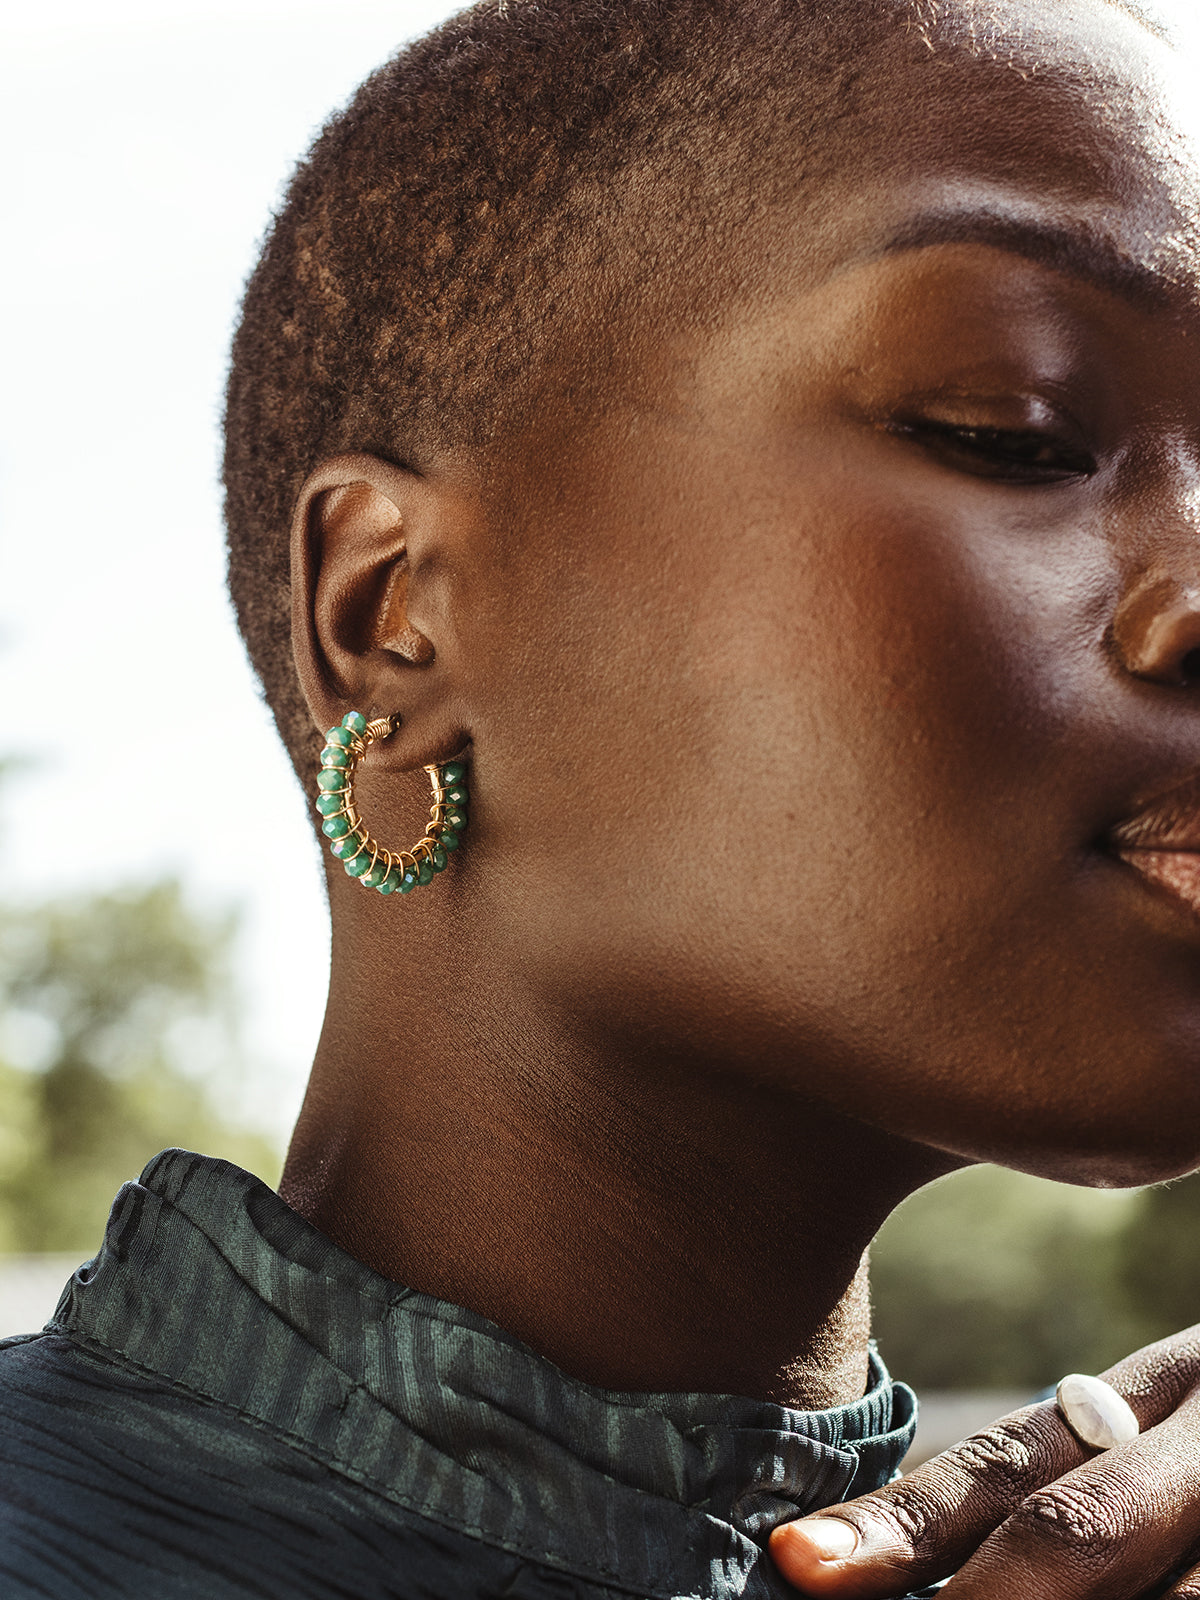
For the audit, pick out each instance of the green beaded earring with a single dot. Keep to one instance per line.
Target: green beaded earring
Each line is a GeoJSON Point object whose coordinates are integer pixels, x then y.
{"type": "Point", "coordinates": [362, 857]}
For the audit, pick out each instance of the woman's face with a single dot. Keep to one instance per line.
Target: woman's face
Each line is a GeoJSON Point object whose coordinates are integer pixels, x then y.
{"type": "Point", "coordinates": [869, 622]}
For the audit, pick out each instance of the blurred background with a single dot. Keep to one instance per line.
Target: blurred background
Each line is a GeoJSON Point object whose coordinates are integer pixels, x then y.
{"type": "Point", "coordinates": [158, 984]}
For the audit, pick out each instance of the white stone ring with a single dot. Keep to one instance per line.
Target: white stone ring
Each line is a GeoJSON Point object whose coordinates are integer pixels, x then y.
{"type": "Point", "coordinates": [1095, 1413]}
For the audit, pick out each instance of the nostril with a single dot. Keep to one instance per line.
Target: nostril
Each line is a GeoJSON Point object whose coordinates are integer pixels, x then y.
{"type": "Point", "coordinates": [1156, 631]}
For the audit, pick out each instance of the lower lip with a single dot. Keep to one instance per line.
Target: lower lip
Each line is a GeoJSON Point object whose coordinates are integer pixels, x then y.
{"type": "Point", "coordinates": [1176, 871]}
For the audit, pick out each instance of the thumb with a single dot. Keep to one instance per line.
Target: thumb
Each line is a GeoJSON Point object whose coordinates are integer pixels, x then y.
{"type": "Point", "coordinates": [925, 1526]}
{"type": "Point", "coordinates": [851, 1552]}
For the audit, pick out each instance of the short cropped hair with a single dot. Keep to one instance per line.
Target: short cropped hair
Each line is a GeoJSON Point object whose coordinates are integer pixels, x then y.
{"type": "Point", "coordinates": [464, 222]}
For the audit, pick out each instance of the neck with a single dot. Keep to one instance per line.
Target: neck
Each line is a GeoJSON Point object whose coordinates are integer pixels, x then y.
{"type": "Point", "coordinates": [647, 1226]}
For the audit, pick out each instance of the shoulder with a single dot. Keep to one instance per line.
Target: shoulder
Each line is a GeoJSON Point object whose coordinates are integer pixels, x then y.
{"type": "Point", "coordinates": [114, 1483]}
{"type": "Point", "coordinates": [53, 1382]}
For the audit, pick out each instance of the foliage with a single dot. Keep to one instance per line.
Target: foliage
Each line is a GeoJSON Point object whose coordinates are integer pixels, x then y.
{"type": "Point", "coordinates": [990, 1279]}
{"type": "Point", "coordinates": [115, 1007]}
{"type": "Point", "coordinates": [1160, 1256]}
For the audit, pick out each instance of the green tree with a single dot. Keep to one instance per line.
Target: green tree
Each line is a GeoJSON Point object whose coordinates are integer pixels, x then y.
{"type": "Point", "coordinates": [1160, 1256]}
{"type": "Point", "coordinates": [104, 1001]}
{"type": "Point", "coordinates": [990, 1279]}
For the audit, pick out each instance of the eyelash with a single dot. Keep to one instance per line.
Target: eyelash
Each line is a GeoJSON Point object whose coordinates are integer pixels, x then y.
{"type": "Point", "coordinates": [1007, 454]}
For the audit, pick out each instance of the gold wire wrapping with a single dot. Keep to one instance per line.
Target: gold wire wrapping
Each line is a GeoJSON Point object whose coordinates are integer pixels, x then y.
{"type": "Point", "coordinates": [425, 845]}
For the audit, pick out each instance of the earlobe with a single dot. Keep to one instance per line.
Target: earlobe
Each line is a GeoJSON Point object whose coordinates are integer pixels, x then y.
{"type": "Point", "coordinates": [361, 528]}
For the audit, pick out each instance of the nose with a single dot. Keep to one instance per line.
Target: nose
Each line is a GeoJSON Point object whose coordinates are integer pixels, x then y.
{"type": "Point", "coordinates": [1156, 631]}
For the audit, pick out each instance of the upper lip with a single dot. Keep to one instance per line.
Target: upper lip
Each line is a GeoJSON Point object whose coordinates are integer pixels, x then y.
{"type": "Point", "coordinates": [1170, 821]}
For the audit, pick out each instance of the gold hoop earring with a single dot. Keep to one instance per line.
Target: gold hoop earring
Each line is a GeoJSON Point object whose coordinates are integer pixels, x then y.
{"type": "Point", "coordinates": [361, 855]}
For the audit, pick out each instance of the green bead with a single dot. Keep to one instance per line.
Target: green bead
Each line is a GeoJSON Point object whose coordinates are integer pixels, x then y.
{"type": "Point", "coordinates": [334, 756]}
{"type": "Point", "coordinates": [330, 778]}
{"type": "Point", "coordinates": [360, 865]}
{"type": "Point", "coordinates": [424, 872]}
{"type": "Point", "coordinates": [454, 820]}
{"type": "Point", "coordinates": [373, 878]}
{"type": "Point", "coordinates": [448, 839]}
{"type": "Point", "coordinates": [336, 827]}
{"type": "Point", "coordinates": [438, 859]}
{"type": "Point", "coordinates": [455, 796]}
{"type": "Point", "coordinates": [453, 772]}
{"type": "Point", "coordinates": [339, 736]}
{"type": "Point", "coordinates": [355, 721]}
{"type": "Point", "coordinates": [347, 846]}
{"type": "Point", "coordinates": [329, 804]}
{"type": "Point", "coordinates": [410, 880]}
{"type": "Point", "coordinates": [391, 883]}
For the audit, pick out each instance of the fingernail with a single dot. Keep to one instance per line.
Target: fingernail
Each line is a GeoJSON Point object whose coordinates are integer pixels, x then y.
{"type": "Point", "coordinates": [832, 1538]}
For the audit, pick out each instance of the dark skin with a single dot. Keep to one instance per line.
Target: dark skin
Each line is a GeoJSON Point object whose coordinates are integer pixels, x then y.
{"type": "Point", "coordinates": [808, 679]}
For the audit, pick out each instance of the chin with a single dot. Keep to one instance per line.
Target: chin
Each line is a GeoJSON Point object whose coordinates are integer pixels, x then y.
{"type": "Point", "coordinates": [1108, 1095]}
{"type": "Point", "coordinates": [1097, 1123]}
{"type": "Point", "coordinates": [1128, 1158]}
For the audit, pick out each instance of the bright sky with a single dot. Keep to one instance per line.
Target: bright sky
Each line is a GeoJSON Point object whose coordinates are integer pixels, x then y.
{"type": "Point", "coordinates": [145, 153]}
{"type": "Point", "coordinates": [146, 150]}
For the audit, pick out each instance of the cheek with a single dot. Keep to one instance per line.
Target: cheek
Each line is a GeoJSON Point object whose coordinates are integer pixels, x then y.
{"type": "Point", "coordinates": [784, 709]}
{"type": "Point", "coordinates": [819, 766]}
{"type": "Point", "coordinates": [875, 675]}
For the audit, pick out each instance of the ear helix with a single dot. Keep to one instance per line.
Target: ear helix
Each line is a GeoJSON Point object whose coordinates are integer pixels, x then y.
{"type": "Point", "coordinates": [362, 856]}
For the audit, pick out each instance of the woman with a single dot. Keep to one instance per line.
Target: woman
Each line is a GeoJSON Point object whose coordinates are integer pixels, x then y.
{"type": "Point", "coordinates": [753, 450]}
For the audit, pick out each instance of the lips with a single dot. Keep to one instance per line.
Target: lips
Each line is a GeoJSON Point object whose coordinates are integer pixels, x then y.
{"type": "Point", "coordinates": [1161, 841]}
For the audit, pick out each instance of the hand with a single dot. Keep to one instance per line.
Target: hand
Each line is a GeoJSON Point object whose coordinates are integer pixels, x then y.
{"type": "Point", "coordinates": [1024, 1510]}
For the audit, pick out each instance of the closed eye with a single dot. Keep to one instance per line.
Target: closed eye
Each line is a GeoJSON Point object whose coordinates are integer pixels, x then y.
{"type": "Point", "coordinates": [1025, 456]}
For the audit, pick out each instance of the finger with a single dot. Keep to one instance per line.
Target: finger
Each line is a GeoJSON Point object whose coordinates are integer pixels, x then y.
{"type": "Point", "coordinates": [1156, 1379]}
{"type": "Point", "coordinates": [926, 1525]}
{"type": "Point", "coordinates": [1112, 1529]}
{"type": "Point", "coordinates": [1188, 1587]}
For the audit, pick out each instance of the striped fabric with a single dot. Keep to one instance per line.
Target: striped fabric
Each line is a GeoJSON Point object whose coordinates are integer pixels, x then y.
{"type": "Point", "coordinates": [227, 1404]}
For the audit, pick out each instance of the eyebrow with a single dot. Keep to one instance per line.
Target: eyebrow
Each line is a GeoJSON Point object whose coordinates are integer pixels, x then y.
{"type": "Point", "coordinates": [1080, 251]}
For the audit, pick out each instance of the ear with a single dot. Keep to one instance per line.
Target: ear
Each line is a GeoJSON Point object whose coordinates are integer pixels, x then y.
{"type": "Point", "coordinates": [368, 538]}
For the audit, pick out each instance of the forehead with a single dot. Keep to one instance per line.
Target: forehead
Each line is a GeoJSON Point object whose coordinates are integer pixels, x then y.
{"type": "Point", "coordinates": [1065, 129]}
{"type": "Point", "coordinates": [1068, 132]}
{"type": "Point", "coordinates": [1073, 100]}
